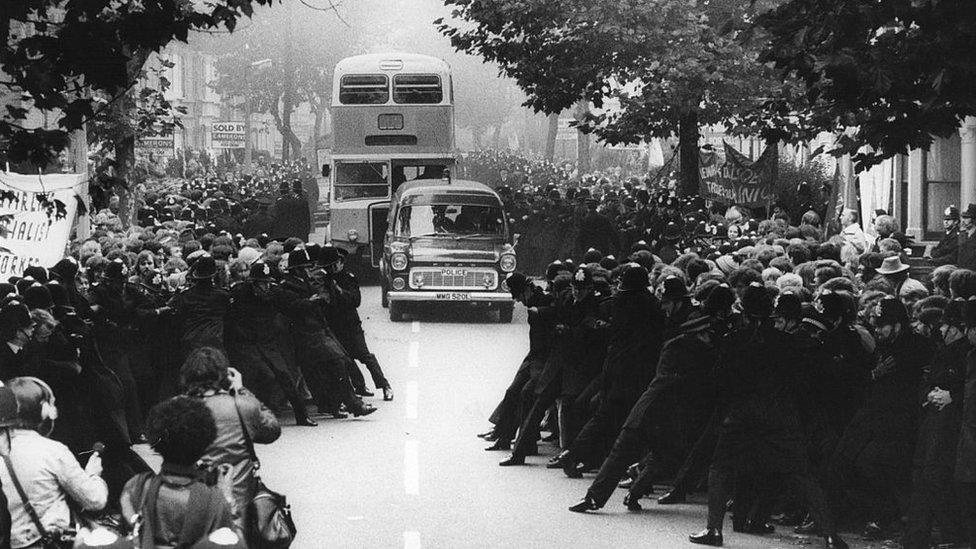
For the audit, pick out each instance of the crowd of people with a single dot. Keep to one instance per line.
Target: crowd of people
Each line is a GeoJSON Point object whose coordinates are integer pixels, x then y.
{"type": "Point", "coordinates": [807, 377]}
{"type": "Point", "coordinates": [193, 330]}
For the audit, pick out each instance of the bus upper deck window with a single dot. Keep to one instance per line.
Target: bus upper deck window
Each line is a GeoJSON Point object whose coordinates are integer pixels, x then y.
{"type": "Point", "coordinates": [364, 89]}
{"type": "Point", "coordinates": [417, 89]}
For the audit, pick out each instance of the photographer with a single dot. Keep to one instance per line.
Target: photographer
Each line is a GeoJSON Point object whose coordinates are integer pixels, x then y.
{"type": "Point", "coordinates": [206, 375]}
{"type": "Point", "coordinates": [40, 474]}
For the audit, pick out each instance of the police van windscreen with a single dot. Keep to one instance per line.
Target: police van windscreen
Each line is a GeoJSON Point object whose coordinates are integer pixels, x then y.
{"type": "Point", "coordinates": [459, 220]}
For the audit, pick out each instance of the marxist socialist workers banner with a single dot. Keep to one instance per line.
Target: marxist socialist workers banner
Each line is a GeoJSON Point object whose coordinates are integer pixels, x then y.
{"type": "Point", "coordinates": [738, 180]}
{"type": "Point", "coordinates": [28, 235]}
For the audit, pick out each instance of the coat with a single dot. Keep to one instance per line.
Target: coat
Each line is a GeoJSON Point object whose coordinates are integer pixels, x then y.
{"type": "Point", "coordinates": [585, 344]}
{"type": "Point", "coordinates": [201, 309]}
{"type": "Point", "coordinates": [636, 322]}
{"type": "Point", "coordinates": [882, 434]}
{"type": "Point", "coordinates": [966, 451]}
{"type": "Point", "coordinates": [596, 231]}
{"type": "Point", "coordinates": [966, 251]}
{"type": "Point", "coordinates": [938, 431]}
{"type": "Point", "coordinates": [760, 430]}
{"type": "Point", "coordinates": [291, 218]}
{"type": "Point", "coordinates": [947, 250]}
{"type": "Point", "coordinates": [230, 446]}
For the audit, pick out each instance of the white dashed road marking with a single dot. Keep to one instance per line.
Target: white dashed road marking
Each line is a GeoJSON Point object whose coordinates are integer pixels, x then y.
{"type": "Point", "coordinates": [415, 327]}
{"type": "Point", "coordinates": [411, 540]}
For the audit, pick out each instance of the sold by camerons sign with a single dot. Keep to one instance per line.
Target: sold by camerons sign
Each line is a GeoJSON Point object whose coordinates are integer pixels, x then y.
{"type": "Point", "coordinates": [28, 235]}
{"type": "Point", "coordinates": [738, 180]}
{"type": "Point", "coordinates": [227, 135]}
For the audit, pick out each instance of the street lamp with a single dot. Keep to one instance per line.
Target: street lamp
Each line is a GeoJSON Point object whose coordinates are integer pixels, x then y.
{"type": "Point", "coordinates": [248, 147]}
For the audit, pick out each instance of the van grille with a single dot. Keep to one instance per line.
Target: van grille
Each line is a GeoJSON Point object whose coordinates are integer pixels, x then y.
{"type": "Point", "coordinates": [453, 278]}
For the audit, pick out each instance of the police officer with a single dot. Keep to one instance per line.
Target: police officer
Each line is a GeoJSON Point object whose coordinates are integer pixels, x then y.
{"type": "Point", "coordinates": [254, 347]}
{"type": "Point", "coordinates": [343, 316]}
{"type": "Point", "coordinates": [946, 251]}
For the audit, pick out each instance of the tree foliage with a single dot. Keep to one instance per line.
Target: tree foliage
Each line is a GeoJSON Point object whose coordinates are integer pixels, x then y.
{"type": "Point", "coordinates": [648, 67]}
{"type": "Point", "coordinates": [885, 76]}
{"type": "Point", "coordinates": [77, 58]}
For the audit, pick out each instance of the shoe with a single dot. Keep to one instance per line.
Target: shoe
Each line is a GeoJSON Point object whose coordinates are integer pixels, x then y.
{"type": "Point", "coordinates": [387, 393]}
{"type": "Point", "coordinates": [513, 459]}
{"type": "Point", "coordinates": [632, 502]}
{"type": "Point", "coordinates": [873, 532]}
{"type": "Point", "coordinates": [834, 542]}
{"type": "Point", "coordinates": [584, 505]}
{"type": "Point", "coordinates": [486, 434]}
{"type": "Point", "coordinates": [361, 409]}
{"type": "Point", "coordinates": [499, 445]}
{"type": "Point", "coordinates": [305, 422]}
{"type": "Point", "coordinates": [807, 528]}
{"type": "Point", "coordinates": [757, 528]}
{"type": "Point", "coordinates": [336, 414]}
{"type": "Point", "coordinates": [490, 436]}
{"type": "Point", "coordinates": [571, 469]}
{"type": "Point", "coordinates": [625, 484]}
{"type": "Point", "coordinates": [554, 437]}
{"type": "Point", "coordinates": [364, 392]}
{"type": "Point", "coordinates": [672, 497]}
{"type": "Point", "coordinates": [708, 536]}
{"type": "Point", "coordinates": [557, 461]}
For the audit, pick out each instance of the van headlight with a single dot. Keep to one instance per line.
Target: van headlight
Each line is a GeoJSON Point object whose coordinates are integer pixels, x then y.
{"type": "Point", "coordinates": [398, 262]}
{"type": "Point", "coordinates": [507, 263]}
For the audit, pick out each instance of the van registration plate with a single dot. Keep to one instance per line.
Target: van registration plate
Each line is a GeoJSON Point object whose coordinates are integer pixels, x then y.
{"type": "Point", "coordinates": [452, 296]}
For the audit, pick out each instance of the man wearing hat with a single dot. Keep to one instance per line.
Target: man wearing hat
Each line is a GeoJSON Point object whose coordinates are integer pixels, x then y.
{"type": "Point", "coordinates": [201, 307]}
{"type": "Point", "coordinates": [506, 416]}
{"type": "Point", "coordinates": [16, 329]}
{"type": "Point", "coordinates": [966, 251]}
{"type": "Point", "coordinates": [946, 251]}
{"type": "Point", "coordinates": [343, 316]}
{"type": "Point", "coordinates": [872, 462]}
{"type": "Point", "coordinates": [676, 304]}
{"type": "Point", "coordinates": [667, 417]}
{"type": "Point", "coordinates": [319, 354]}
{"type": "Point", "coordinates": [595, 230]}
{"type": "Point", "coordinates": [761, 439]}
{"type": "Point", "coordinates": [254, 345]}
{"type": "Point", "coordinates": [290, 215]}
{"type": "Point", "coordinates": [897, 274]}
{"type": "Point", "coordinates": [634, 341]}
{"type": "Point", "coordinates": [933, 499]}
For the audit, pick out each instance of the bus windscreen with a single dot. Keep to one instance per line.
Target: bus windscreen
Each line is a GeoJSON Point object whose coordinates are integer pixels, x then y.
{"type": "Point", "coordinates": [361, 180]}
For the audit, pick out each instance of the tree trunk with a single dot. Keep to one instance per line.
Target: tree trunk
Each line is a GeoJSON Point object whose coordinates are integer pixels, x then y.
{"type": "Point", "coordinates": [551, 136]}
{"type": "Point", "coordinates": [582, 139]}
{"type": "Point", "coordinates": [688, 153]}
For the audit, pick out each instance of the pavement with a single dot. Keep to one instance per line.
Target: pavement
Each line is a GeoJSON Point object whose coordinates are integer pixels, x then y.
{"type": "Point", "coordinates": [413, 474]}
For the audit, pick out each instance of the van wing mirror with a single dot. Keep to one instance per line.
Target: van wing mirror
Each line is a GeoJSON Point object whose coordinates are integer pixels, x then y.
{"type": "Point", "coordinates": [326, 170]}
{"type": "Point", "coordinates": [515, 239]}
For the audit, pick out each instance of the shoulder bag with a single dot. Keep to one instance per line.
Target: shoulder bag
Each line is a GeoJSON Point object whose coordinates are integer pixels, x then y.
{"type": "Point", "coordinates": [62, 539]}
{"type": "Point", "coordinates": [270, 524]}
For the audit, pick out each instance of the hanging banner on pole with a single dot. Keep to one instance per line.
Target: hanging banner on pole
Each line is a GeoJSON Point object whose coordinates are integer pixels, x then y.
{"type": "Point", "coordinates": [28, 234]}
{"type": "Point", "coordinates": [737, 179]}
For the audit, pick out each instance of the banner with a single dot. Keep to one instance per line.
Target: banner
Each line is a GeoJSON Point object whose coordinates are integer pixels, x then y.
{"type": "Point", "coordinates": [227, 135]}
{"type": "Point", "coordinates": [28, 235]}
{"type": "Point", "coordinates": [738, 180]}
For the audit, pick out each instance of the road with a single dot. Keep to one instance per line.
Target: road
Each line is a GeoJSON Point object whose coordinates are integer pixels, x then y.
{"type": "Point", "coordinates": [413, 474]}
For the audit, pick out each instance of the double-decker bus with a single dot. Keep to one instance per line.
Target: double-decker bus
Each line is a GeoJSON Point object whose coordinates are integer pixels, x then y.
{"type": "Point", "coordinates": [393, 122]}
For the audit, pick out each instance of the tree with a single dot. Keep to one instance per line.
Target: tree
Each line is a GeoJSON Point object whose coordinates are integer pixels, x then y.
{"type": "Point", "coordinates": [656, 68]}
{"type": "Point", "coordinates": [68, 56]}
{"type": "Point", "coordinates": [883, 76]}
